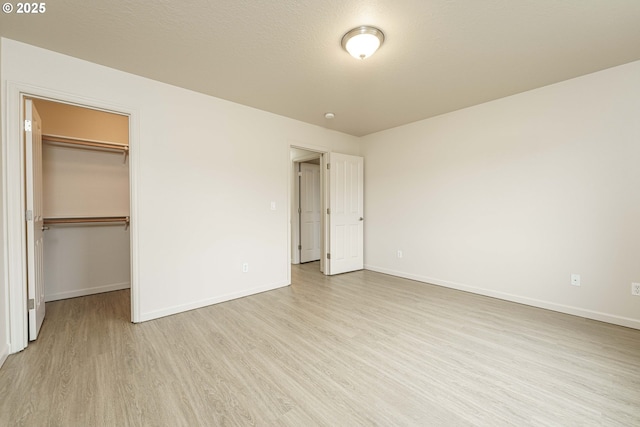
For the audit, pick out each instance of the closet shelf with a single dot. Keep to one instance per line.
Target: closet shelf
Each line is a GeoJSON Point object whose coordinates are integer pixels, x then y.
{"type": "Point", "coordinates": [87, 143]}
{"type": "Point", "coordinates": [88, 220]}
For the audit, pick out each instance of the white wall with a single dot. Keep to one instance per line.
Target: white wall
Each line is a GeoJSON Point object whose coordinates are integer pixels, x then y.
{"type": "Point", "coordinates": [80, 182]}
{"type": "Point", "coordinates": [206, 174]}
{"type": "Point", "coordinates": [85, 260]}
{"type": "Point", "coordinates": [510, 197]}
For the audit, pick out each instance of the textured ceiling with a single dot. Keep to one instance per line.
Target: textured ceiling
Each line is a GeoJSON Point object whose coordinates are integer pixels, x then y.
{"type": "Point", "coordinates": [285, 56]}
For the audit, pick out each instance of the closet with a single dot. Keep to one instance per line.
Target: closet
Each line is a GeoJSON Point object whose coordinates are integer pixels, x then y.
{"type": "Point", "coordinates": [85, 174]}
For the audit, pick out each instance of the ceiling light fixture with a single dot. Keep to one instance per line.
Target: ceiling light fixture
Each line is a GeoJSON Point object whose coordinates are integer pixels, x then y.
{"type": "Point", "coordinates": [362, 42]}
{"type": "Point", "coordinates": [329, 116]}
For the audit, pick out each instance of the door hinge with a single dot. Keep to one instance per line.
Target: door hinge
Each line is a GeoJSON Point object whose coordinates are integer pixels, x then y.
{"type": "Point", "coordinates": [32, 303]}
{"type": "Point", "coordinates": [299, 210]}
{"type": "Point", "coordinates": [29, 215]}
{"type": "Point", "coordinates": [328, 255]}
{"type": "Point", "coordinates": [299, 247]}
{"type": "Point", "coordinates": [27, 125]}
{"type": "Point", "coordinates": [328, 211]}
{"type": "Point", "coordinates": [328, 165]}
{"type": "Point", "coordinates": [299, 173]}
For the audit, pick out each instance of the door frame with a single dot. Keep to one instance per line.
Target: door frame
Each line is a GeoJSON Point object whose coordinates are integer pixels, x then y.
{"type": "Point", "coordinates": [323, 152]}
{"type": "Point", "coordinates": [14, 200]}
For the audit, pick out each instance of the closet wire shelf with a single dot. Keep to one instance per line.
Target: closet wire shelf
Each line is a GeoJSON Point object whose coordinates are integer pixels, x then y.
{"type": "Point", "coordinates": [87, 143]}
{"type": "Point", "coordinates": [93, 145]}
{"type": "Point", "coordinates": [86, 220]}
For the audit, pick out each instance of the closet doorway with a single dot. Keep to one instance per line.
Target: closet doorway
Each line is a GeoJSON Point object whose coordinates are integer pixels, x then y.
{"type": "Point", "coordinates": [84, 172]}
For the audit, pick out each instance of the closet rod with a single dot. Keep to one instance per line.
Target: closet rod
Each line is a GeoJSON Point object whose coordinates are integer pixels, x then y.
{"type": "Point", "coordinates": [88, 220]}
{"type": "Point", "coordinates": [85, 142]}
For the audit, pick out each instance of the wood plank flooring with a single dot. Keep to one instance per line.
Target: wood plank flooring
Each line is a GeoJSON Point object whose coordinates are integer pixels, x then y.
{"type": "Point", "coordinates": [357, 349]}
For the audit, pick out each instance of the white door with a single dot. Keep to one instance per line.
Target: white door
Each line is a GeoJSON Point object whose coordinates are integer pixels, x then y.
{"type": "Point", "coordinates": [346, 213]}
{"type": "Point", "coordinates": [35, 222]}
{"type": "Point", "coordinates": [309, 212]}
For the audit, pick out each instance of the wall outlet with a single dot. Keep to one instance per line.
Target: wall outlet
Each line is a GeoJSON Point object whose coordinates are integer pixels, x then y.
{"type": "Point", "coordinates": [399, 253]}
{"type": "Point", "coordinates": [575, 279]}
{"type": "Point", "coordinates": [245, 267]}
{"type": "Point", "coordinates": [635, 289]}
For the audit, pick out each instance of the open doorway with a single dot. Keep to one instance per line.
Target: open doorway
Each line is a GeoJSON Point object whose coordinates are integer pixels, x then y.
{"type": "Point", "coordinates": [309, 230]}
{"type": "Point", "coordinates": [307, 202]}
{"type": "Point", "coordinates": [18, 217]}
{"type": "Point", "coordinates": [83, 195]}
{"type": "Point", "coordinates": [341, 217]}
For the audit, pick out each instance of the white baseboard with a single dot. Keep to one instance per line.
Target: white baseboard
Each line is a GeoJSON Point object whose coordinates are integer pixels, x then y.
{"type": "Point", "coordinates": [567, 309]}
{"type": "Point", "coordinates": [87, 291]}
{"type": "Point", "coordinates": [209, 301]}
{"type": "Point", "coordinates": [4, 353]}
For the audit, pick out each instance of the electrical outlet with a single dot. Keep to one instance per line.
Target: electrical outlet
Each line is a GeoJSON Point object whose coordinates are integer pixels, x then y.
{"type": "Point", "coordinates": [399, 253]}
{"type": "Point", "coordinates": [245, 267]}
{"type": "Point", "coordinates": [635, 289]}
{"type": "Point", "coordinates": [575, 279]}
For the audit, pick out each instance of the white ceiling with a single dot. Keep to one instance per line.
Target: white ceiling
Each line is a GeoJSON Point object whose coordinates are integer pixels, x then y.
{"type": "Point", "coordinates": [284, 56]}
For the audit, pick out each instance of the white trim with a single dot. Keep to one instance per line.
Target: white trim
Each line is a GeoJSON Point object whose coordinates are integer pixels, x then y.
{"type": "Point", "coordinates": [134, 211]}
{"type": "Point", "coordinates": [209, 301]}
{"type": "Point", "coordinates": [15, 245]}
{"type": "Point", "coordinates": [304, 159]}
{"type": "Point", "coordinates": [4, 353]}
{"type": "Point", "coordinates": [309, 147]}
{"type": "Point", "coordinates": [561, 308]}
{"type": "Point", "coordinates": [87, 291]}
{"type": "Point", "coordinates": [15, 252]}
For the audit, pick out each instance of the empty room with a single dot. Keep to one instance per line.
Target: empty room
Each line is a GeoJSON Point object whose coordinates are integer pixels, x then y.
{"type": "Point", "coordinates": [320, 213]}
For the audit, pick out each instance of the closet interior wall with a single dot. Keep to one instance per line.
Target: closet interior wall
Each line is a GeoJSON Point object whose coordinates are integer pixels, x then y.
{"type": "Point", "coordinates": [84, 259]}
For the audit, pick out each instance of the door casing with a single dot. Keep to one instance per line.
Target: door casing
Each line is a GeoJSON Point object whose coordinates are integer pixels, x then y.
{"type": "Point", "coordinates": [14, 200]}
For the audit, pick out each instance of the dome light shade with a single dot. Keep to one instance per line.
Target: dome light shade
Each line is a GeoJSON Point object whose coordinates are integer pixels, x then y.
{"type": "Point", "coordinates": [362, 42]}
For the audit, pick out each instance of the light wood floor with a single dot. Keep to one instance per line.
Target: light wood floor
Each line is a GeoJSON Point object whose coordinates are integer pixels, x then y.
{"type": "Point", "coordinates": [352, 350]}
